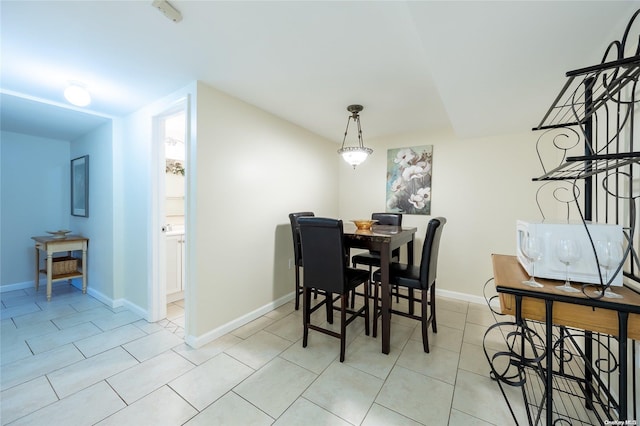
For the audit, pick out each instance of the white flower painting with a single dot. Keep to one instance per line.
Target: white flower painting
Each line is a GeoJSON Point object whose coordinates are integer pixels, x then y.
{"type": "Point", "coordinates": [409, 180]}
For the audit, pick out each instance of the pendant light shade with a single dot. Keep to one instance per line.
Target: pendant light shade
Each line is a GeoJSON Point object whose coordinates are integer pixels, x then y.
{"type": "Point", "coordinates": [354, 155]}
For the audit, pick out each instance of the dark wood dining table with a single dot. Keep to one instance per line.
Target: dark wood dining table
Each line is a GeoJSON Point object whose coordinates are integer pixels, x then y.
{"type": "Point", "coordinates": [384, 239]}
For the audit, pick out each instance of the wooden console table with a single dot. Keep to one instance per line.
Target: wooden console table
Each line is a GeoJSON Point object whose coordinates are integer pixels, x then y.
{"type": "Point", "coordinates": [615, 317]}
{"type": "Point", "coordinates": [50, 245]}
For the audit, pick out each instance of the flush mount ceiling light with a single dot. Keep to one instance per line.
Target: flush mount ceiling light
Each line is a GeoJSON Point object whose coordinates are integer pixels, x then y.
{"type": "Point", "coordinates": [354, 155]}
{"type": "Point", "coordinates": [77, 94]}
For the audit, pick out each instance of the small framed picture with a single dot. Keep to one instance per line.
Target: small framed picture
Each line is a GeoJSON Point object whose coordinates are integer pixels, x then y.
{"type": "Point", "coordinates": [80, 186]}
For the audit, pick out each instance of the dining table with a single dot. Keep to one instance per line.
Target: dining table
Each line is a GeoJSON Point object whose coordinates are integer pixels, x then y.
{"type": "Point", "coordinates": [383, 239]}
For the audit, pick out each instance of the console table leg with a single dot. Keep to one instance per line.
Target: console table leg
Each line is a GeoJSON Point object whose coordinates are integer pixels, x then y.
{"type": "Point", "coordinates": [85, 270]}
{"type": "Point", "coordinates": [37, 280]}
{"type": "Point", "coordinates": [623, 318]}
{"type": "Point", "coordinates": [588, 365]}
{"type": "Point", "coordinates": [49, 274]}
{"type": "Point", "coordinates": [549, 356]}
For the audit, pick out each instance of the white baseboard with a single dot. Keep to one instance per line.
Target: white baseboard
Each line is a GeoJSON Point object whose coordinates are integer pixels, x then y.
{"type": "Point", "coordinates": [465, 297]}
{"type": "Point", "coordinates": [113, 303]}
{"type": "Point", "coordinates": [138, 310]}
{"type": "Point", "coordinates": [117, 303]}
{"type": "Point", "coordinates": [100, 297]}
{"type": "Point", "coordinates": [199, 341]}
{"type": "Point", "coordinates": [16, 286]}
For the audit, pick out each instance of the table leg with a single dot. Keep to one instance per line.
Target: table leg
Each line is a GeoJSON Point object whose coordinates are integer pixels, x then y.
{"type": "Point", "coordinates": [49, 274]}
{"type": "Point", "coordinates": [85, 270]}
{"type": "Point", "coordinates": [410, 262]}
{"type": "Point", "coordinates": [549, 359]}
{"type": "Point", "coordinates": [623, 318]}
{"type": "Point", "coordinates": [410, 251]}
{"type": "Point", "coordinates": [588, 365]}
{"type": "Point", "coordinates": [37, 280]}
{"type": "Point", "coordinates": [385, 259]}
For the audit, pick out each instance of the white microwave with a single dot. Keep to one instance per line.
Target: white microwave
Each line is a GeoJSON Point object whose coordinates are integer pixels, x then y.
{"type": "Point", "coordinates": [586, 268]}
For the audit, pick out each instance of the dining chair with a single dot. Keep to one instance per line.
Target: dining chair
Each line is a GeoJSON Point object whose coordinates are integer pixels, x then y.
{"type": "Point", "coordinates": [297, 251]}
{"type": "Point", "coordinates": [417, 277]}
{"type": "Point", "coordinates": [372, 258]}
{"type": "Point", "coordinates": [326, 268]}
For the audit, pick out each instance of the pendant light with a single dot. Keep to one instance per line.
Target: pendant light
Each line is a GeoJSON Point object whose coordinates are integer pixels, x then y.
{"type": "Point", "coordinates": [354, 155]}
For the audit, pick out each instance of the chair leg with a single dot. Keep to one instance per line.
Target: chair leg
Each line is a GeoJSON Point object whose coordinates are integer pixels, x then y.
{"type": "Point", "coordinates": [297, 288]}
{"type": "Point", "coordinates": [343, 328]}
{"type": "Point", "coordinates": [353, 298]}
{"type": "Point", "coordinates": [306, 314]}
{"type": "Point", "coordinates": [411, 301]}
{"type": "Point", "coordinates": [425, 321]}
{"type": "Point", "coordinates": [432, 302]}
{"type": "Point", "coordinates": [329, 305]}
{"type": "Point", "coordinates": [366, 307]}
{"type": "Point", "coordinates": [353, 292]}
{"type": "Point", "coordinates": [377, 307]}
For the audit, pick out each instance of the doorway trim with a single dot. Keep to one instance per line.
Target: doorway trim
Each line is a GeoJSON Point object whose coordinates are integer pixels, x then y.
{"type": "Point", "coordinates": [157, 289]}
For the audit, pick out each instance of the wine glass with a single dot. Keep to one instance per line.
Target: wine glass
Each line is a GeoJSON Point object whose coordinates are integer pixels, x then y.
{"type": "Point", "coordinates": [568, 252]}
{"type": "Point", "coordinates": [609, 257]}
{"type": "Point", "coordinates": [532, 249]}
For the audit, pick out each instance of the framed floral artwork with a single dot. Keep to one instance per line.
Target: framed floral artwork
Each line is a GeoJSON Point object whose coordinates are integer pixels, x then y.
{"type": "Point", "coordinates": [409, 180]}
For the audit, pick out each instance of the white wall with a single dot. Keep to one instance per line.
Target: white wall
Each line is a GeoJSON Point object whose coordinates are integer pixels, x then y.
{"type": "Point", "coordinates": [34, 198]}
{"type": "Point", "coordinates": [136, 199]}
{"type": "Point", "coordinates": [481, 186]}
{"type": "Point", "coordinates": [98, 227]}
{"type": "Point", "coordinates": [132, 182]}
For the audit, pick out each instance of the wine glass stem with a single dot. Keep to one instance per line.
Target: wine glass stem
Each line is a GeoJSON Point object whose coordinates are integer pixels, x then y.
{"type": "Point", "coordinates": [566, 281]}
{"type": "Point", "coordinates": [533, 271]}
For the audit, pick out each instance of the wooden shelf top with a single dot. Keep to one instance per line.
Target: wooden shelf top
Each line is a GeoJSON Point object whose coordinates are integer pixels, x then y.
{"type": "Point", "coordinates": [508, 276]}
{"type": "Point", "coordinates": [50, 239]}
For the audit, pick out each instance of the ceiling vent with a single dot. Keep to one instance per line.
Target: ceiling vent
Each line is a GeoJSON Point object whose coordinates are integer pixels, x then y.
{"type": "Point", "coordinates": [168, 10]}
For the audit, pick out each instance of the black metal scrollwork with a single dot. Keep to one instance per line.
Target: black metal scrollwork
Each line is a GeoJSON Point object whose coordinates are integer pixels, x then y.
{"type": "Point", "coordinates": [594, 113]}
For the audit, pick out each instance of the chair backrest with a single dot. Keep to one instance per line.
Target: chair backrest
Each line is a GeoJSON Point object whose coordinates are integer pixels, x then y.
{"type": "Point", "coordinates": [394, 219]}
{"type": "Point", "coordinates": [429, 262]}
{"type": "Point", "coordinates": [388, 218]}
{"type": "Point", "coordinates": [295, 232]}
{"type": "Point", "coordinates": [323, 253]}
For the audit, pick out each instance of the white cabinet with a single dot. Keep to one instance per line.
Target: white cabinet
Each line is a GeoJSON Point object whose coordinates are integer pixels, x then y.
{"type": "Point", "coordinates": [175, 269]}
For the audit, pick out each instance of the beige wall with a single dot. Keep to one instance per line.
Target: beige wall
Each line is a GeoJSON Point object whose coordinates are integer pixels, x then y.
{"type": "Point", "coordinates": [481, 186]}
{"type": "Point", "coordinates": [251, 170]}
{"type": "Point", "coordinates": [247, 171]}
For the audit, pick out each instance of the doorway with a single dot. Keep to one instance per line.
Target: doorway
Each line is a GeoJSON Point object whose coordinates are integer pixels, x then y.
{"type": "Point", "coordinates": [172, 133]}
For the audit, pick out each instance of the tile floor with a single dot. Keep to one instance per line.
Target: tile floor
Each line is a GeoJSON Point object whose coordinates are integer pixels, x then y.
{"type": "Point", "coordinates": [74, 361]}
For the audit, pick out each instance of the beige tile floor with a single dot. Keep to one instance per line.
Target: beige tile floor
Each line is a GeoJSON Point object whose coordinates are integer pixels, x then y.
{"type": "Point", "coordinates": [74, 361]}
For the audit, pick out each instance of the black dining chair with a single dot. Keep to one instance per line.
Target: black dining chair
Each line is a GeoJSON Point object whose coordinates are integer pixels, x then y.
{"type": "Point", "coordinates": [326, 268]}
{"type": "Point", "coordinates": [372, 258]}
{"type": "Point", "coordinates": [417, 277]}
{"type": "Point", "coordinates": [297, 251]}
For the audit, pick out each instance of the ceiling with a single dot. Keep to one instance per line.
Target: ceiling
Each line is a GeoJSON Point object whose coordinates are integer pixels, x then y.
{"type": "Point", "coordinates": [475, 68]}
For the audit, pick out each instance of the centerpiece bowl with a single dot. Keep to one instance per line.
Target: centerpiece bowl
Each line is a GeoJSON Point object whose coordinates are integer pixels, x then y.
{"type": "Point", "coordinates": [60, 234]}
{"type": "Point", "coordinates": [364, 224]}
